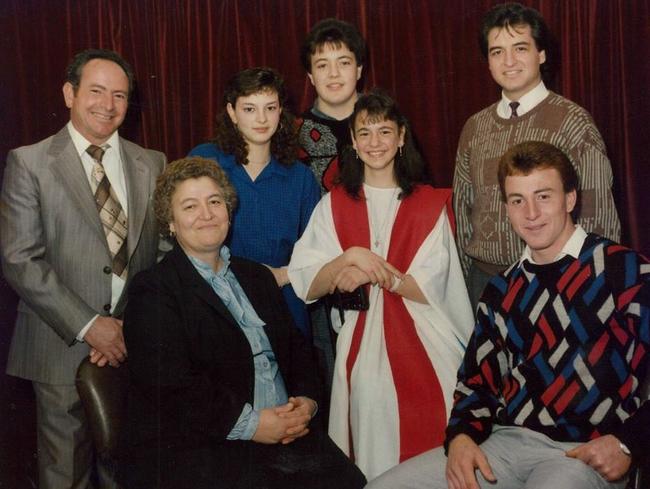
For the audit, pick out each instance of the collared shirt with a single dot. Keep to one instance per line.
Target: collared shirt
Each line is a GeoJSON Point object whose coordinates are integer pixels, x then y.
{"type": "Point", "coordinates": [526, 103]}
{"type": "Point", "coordinates": [318, 113]}
{"type": "Point", "coordinates": [112, 162]}
{"type": "Point", "coordinates": [572, 247]}
{"type": "Point", "coordinates": [272, 212]}
{"type": "Point", "coordinates": [269, 387]}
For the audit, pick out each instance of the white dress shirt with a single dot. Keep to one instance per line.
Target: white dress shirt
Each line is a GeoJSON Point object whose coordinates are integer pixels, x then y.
{"type": "Point", "coordinates": [526, 103]}
{"type": "Point", "coordinates": [113, 167]}
{"type": "Point", "coordinates": [571, 247]}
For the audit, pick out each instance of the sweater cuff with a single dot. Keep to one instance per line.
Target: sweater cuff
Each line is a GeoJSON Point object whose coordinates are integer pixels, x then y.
{"type": "Point", "coordinates": [478, 431]}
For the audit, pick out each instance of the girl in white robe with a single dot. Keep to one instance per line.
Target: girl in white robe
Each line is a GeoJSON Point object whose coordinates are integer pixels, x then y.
{"type": "Point", "coordinates": [383, 230]}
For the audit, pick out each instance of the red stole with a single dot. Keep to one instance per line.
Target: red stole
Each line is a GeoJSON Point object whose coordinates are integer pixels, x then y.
{"type": "Point", "coordinates": [421, 404]}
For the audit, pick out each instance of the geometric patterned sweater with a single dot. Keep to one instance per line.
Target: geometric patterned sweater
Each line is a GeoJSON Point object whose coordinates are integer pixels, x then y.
{"type": "Point", "coordinates": [561, 349]}
{"type": "Point", "coordinates": [321, 140]}
{"type": "Point", "coordinates": [483, 231]}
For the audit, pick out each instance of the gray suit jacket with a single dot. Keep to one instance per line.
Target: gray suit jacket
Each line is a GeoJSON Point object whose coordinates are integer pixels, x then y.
{"type": "Point", "coordinates": [55, 254]}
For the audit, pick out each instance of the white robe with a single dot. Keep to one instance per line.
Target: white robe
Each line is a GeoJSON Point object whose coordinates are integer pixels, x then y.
{"type": "Point", "coordinates": [443, 326]}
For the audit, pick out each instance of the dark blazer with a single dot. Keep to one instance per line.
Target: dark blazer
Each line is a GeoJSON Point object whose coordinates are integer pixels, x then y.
{"type": "Point", "coordinates": [191, 367]}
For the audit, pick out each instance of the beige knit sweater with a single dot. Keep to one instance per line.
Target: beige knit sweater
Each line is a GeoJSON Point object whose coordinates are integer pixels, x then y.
{"type": "Point", "coordinates": [483, 230]}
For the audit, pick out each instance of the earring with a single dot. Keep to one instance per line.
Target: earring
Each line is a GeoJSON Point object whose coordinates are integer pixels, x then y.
{"type": "Point", "coordinates": [400, 151]}
{"type": "Point", "coordinates": [356, 154]}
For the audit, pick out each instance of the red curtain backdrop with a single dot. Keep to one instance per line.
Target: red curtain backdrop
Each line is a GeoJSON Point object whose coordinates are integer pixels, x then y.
{"type": "Point", "coordinates": [423, 51]}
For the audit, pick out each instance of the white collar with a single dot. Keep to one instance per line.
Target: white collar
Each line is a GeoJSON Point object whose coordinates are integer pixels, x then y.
{"type": "Point", "coordinates": [572, 247]}
{"type": "Point", "coordinates": [526, 103]}
{"type": "Point", "coordinates": [81, 143]}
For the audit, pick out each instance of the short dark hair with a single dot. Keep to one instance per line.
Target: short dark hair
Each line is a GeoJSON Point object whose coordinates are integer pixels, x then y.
{"type": "Point", "coordinates": [74, 69]}
{"type": "Point", "coordinates": [409, 167]}
{"type": "Point", "coordinates": [337, 33]}
{"type": "Point", "coordinates": [284, 144]}
{"type": "Point", "coordinates": [510, 16]}
{"type": "Point", "coordinates": [524, 158]}
{"type": "Point", "coordinates": [176, 173]}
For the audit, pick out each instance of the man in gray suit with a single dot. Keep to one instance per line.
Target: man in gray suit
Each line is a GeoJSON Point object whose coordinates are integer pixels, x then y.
{"type": "Point", "coordinates": [75, 225]}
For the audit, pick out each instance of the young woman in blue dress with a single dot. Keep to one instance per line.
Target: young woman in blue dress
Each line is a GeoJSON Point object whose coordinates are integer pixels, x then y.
{"type": "Point", "coordinates": [255, 143]}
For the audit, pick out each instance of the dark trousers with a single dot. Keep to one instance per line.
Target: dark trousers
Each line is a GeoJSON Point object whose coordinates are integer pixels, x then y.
{"type": "Point", "coordinates": [325, 346]}
{"type": "Point", "coordinates": [313, 461]}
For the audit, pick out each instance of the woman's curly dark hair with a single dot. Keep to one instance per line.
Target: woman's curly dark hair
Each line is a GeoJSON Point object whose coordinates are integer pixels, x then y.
{"type": "Point", "coordinates": [284, 143]}
{"type": "Point", "coordinates": [409, 167]}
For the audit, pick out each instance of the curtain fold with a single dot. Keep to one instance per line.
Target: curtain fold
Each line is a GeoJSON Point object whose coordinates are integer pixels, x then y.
{"type": "Point", "coordinates": [422, 51]}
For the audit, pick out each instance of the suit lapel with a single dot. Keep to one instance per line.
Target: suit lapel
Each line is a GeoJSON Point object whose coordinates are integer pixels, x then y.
{"type": "Point", "coordinates": [138, 191]}
{"type": "Point", "coordinates": [192, 279]}
{"type": "Point", "coordinates": [67, 166]}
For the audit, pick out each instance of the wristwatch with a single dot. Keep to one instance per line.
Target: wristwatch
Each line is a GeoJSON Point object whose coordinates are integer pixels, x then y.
{"type": "Point", "coordinates": [624, 449]}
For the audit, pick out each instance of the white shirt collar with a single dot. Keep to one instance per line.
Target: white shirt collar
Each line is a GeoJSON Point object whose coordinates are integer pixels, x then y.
{"type": "Point", "coordinates": [112, 162]}
{"type": "Point", "coordinates": [81, 143]}
{"type": "Point", "coordinates": [572, 247]}
{"type": "Point", "coordinates": [526, 103]}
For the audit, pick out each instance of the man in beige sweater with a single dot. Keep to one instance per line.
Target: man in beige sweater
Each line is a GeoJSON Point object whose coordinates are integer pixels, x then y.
{"type": "Point", "coordinates": [517, 44]}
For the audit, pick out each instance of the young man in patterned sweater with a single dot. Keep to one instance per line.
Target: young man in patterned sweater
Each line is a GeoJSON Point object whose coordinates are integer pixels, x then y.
{"type": "Point", "coordinates": [547, 396]}
{"type": "Point", "coordinates": [517, 44]}
{"type": "Point", "coordinates": [333, 55]}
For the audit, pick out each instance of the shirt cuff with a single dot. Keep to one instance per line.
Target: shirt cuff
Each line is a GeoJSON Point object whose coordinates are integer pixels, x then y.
{"type": "Point", "coordinates": [84, 330]}
{"type": "Point", "coordinates": [246, 424]}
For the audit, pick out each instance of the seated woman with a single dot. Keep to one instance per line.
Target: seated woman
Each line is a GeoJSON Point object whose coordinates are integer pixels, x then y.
{"type": "Point", "coordinates": [385, 231]}
{"type": "Point", "coordinates": [222, 387]}
{"type": "Point", "coordinates": [255, 143]}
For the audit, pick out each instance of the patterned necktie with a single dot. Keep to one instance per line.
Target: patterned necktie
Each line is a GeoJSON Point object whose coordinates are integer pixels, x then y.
{"type": "Point", "coordinates": [110, 212]}
{"type": "Point", "coordinates": [514, 106]}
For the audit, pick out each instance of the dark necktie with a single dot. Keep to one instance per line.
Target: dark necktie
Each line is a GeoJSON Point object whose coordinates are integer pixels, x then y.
{"type": "Point", "coordinates": [110, 212]}
{"type": "Point", "coordinates": [514, 106]}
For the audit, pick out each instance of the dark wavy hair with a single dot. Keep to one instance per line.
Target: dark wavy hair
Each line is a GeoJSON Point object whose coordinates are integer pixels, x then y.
{"type": "Point", "coordinates": [284, 143]}
{"type": "Point", "coordinates": [335, 32]}
{"type": "Point", "coordinates": [512, 15]}
{"type": "Point", "coordinates": [409, 167]}
{"type": "Point", "coordinates": [74, 70]}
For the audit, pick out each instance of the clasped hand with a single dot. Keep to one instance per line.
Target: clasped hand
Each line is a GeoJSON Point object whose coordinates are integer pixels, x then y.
{"type": "Point", "coordinates": [286, 423]}
{"type": "Point", "coordinates": [106, 341]}
{"type": "Point", "coordinates": [363, 267]}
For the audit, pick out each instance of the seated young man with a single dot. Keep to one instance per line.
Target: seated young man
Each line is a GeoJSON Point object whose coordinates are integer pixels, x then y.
{"type": "Point", "coordinates": [547, 395]}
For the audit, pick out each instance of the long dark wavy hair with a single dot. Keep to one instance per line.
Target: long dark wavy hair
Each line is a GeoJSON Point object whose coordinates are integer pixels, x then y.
{"type": "Point", "coordinates": [409, 167]}
{"type": "Point", "coordinates": [284, 143]}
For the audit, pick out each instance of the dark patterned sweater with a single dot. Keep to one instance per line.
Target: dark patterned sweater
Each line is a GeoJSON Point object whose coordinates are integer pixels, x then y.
{"type": "Point", "coordinates": [561, 349]}
{"type": "Point", "coordinates": [321, 141]}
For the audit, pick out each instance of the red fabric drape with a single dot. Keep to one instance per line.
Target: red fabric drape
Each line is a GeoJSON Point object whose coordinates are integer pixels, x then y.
{"type": "Point", "coordinates": [423, 51]}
